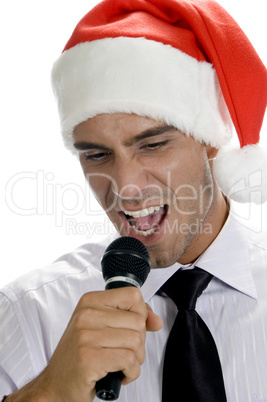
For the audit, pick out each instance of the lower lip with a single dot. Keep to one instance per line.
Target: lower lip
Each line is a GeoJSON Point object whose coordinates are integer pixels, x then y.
{"type": "Point", "coordinates": [149, 239]}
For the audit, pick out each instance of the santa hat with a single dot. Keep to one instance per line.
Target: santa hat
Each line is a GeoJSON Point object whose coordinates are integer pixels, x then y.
{"type": "Point", "coordinates": [184, 62]}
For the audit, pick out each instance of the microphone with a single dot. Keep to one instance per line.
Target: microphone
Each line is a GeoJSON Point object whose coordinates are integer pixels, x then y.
{"type": "Point", "coordinates": [124, 263]}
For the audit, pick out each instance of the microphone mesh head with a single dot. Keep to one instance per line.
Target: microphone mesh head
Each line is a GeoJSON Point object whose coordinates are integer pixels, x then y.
{"type": "Point", "coordinates": [126, 254]}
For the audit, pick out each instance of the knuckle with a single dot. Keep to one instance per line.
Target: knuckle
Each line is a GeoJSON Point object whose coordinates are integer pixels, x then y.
{"type": "Point", "coordinates": [134, 294]}
{"type": "Point", "coordinates": [137, 341]}
{"type": "Point", "coordinates": [84, 300]}
{"type": "Point", "coordinates": [88, 298]}
{"type": "Point", "coordinates": [139, 323]}
{"type": "Point", "coordinates": [87, 318]}
{"type": "Point", "coordinates": [80, 319]}
{"type": "Point", "coordinates": [82, 338]}
{"type": "Point", "coordinates": [132, 367]}
{"type": "Point", "coordinates": [130, 358]}
{"type": "Point", "coordinates": [140, 349]}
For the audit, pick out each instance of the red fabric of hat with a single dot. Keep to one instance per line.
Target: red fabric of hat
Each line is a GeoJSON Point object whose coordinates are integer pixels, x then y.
{"type": "Point", "coordinates": [198, 36]}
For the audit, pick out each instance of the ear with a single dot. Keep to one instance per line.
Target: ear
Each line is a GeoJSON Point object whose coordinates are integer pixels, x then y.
{"type": "Point", "coordinates": [211, 152]}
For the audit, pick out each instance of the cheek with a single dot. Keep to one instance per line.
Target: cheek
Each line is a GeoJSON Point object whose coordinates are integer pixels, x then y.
{"type": "Point", "coordinates": [99, 186]}
{"type": "Point", "coordinates": [193, 186]}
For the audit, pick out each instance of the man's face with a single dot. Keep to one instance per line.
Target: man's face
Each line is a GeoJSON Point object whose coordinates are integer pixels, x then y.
{"type": "Point", "coordinates": [153, 181]}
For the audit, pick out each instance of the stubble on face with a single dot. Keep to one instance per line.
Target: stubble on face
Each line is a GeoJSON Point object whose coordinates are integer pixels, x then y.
{"type": "Point", "coordinates": [189, 215]}
{"type": "Point", "coordinates": [175, 173]}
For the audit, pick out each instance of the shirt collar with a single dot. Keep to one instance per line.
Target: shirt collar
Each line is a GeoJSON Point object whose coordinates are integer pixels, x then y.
{"type": "Point", "coordinates": [227, 258]}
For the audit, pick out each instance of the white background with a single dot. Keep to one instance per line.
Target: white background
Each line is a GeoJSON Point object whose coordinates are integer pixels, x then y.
{"type": "Point", "coordinates": [33, 35]}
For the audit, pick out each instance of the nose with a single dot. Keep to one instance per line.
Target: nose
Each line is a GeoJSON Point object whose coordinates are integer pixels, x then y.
{"type": "Point", "coordinates": [129, 179]}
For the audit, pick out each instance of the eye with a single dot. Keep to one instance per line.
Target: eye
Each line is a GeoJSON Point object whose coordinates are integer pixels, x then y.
{"type": "Point", "coordinates": [155, 145]}
{"type": "Point", "coordinates": [96, 157]}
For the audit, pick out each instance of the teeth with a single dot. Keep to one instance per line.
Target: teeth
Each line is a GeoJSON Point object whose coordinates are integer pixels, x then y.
{"type": "Point", "coordinates": [144, 233]}
{"type": "Point", "coordinates": [143, 212]}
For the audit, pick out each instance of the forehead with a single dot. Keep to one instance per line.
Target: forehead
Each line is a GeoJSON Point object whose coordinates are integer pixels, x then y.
{"type": "Point", "coordinates": [119, 126]}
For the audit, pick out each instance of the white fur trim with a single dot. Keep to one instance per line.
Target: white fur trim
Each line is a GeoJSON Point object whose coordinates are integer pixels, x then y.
{"type": "Point", "coordinates": [136, 75]}
{"type": "Point", "coordinates": [242, 173]}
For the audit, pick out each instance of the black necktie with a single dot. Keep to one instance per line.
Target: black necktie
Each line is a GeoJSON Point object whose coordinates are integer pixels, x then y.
{"type": "Point", "coordinates": [192, 367]}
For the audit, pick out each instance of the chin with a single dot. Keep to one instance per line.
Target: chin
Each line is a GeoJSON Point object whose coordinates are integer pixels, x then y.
{"type": "Point", "coordinates": [162, 259]}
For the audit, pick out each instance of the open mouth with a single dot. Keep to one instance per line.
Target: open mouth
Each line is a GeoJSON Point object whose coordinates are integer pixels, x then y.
{"type": "Point", "coordinates": [146, 221]}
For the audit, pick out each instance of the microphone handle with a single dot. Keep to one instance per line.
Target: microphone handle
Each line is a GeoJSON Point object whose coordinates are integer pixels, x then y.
{"type": "Point", "coordinates": [108, 388]}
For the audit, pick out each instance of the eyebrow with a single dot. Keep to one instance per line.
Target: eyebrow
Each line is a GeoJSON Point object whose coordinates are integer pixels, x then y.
{"type": "Point", "coordinates": [86, 146]}
{"type": "Point", "coordinates": [151, 132]}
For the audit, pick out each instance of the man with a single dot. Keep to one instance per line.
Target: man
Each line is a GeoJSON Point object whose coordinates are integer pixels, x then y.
{"type": "Point", "coordinates": [146, 112]}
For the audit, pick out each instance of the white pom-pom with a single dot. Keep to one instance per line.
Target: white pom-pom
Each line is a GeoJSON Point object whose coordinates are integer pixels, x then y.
{"type": "Point", "coordinates": [242, 173]}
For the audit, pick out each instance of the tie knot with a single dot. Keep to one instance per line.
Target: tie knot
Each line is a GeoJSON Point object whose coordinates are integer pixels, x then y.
{"type": "Point", "coordinates": [185, 286]}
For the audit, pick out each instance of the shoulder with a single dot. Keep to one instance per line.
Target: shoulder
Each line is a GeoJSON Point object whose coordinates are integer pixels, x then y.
{"type": "Point", "coordinates": [82, 264]}
{"type": "Point", "coordinates": [40, 300]}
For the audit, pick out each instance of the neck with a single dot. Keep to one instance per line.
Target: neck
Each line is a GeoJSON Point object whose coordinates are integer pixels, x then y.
{"type": "Point", "coordinates": [215, 220]}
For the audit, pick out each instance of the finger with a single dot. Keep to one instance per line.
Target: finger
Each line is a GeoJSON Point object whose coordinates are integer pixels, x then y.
{"type": "Point", "coordinates": [127, 298]}
{"type": "Point", "coordinates": [115, 360]}
{"type": "Point", "coordinates": [113, 338]}
{"type": "Point", "coordinates": [107, 317]}
{"type": "Point", "coordinates": [95, 306]}
{"type": "Point", "coordinates": [154, 322]}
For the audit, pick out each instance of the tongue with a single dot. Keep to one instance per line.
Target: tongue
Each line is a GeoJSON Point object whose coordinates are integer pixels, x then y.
{"type": "Point", "coordinates": [150, 221]}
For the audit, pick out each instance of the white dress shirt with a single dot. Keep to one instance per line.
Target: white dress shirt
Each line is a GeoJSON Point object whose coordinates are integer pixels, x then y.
{"type": "Point", "coordinates": [35, 310]}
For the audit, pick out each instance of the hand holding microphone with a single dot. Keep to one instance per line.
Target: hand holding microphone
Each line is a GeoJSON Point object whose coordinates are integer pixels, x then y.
{"type": "Point", "coordinates": [125, 263]}
{"type": "Point", "coordinates": [106, 334]}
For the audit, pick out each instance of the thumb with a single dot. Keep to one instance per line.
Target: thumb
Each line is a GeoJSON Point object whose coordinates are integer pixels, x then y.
{"type": "Point", "coordinates": [153, 321]}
